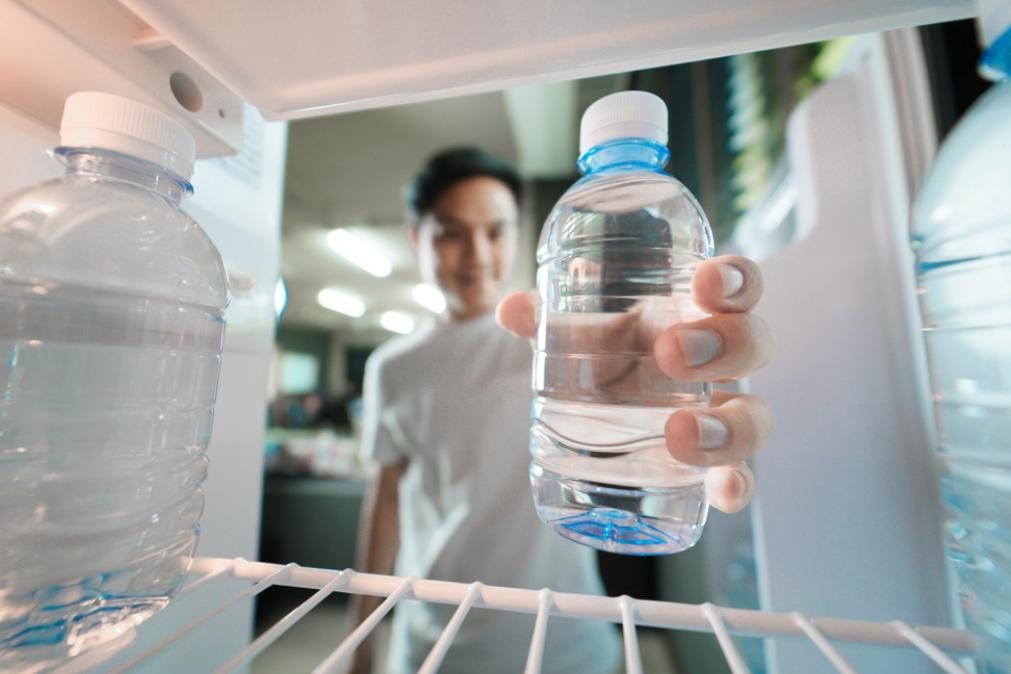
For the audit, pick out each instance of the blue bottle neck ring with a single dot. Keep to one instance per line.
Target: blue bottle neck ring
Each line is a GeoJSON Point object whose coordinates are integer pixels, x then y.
{"type": "Point", "coordinates": [624, 154]}
{"type": "Point", "coordinates": [995, 64]}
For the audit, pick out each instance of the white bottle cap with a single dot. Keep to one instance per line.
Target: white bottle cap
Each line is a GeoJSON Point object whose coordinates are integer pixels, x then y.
{"type": "Point", "coordinates": [994, 18]}
{"type": "Point", "coordinates": [99, 120]}
{"type": "Point", "coordinates": [626, 114]}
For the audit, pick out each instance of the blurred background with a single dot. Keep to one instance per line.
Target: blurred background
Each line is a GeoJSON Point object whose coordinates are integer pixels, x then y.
{"type": "Point", "coordinates": [349, 283]}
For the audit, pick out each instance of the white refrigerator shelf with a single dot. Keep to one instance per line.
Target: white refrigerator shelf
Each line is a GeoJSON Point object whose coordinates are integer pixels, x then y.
{"type": "Point", "coordinates": [941, 645]}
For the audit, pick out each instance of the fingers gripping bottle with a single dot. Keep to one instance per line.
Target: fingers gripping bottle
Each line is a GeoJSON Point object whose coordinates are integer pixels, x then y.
{"type": "Point", "coordinates": [615, 264]}
{"type": "Point", "coordinates": [111, 329]}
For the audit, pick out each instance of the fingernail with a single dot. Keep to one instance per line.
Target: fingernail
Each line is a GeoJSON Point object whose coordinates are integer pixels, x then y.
{"type": "Point", "coordinates": [733, 280]}
{"type": "Point", "coordinates": [712, 432]}
{"type": "Point", "coordinates": [699, 346]}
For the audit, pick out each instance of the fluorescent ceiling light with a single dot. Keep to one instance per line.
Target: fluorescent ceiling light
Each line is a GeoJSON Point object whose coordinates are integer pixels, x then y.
{"type": "Point", "coordinates": [341, 302]}
{"type": "Point", "coordinates": [397, 321]}
{"type": "Point", "coordinates": [429, 297]}
{"type": "Point", "coordinates": [359, 251]}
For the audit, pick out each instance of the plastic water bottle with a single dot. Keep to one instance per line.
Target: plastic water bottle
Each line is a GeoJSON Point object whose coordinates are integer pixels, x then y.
{"type": "Point", "coordinates": [616, 258]}
{"type": "Point", "coordinates": [111, 328]}
{"type": "Point", "coordinates": [962, 238]}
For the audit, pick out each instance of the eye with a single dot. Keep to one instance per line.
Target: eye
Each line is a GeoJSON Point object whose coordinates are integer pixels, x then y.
{"type": "Point", "coordinates": [495, 233]}
{"type": "Point", "coordinates": [448, 234]}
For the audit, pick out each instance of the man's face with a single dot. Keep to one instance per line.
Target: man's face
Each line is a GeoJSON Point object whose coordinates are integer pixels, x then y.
{"type": "Point", "coordinates": [466, 244]}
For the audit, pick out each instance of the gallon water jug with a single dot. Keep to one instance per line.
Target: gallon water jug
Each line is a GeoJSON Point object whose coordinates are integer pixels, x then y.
{"type": "Point", "coordinates": [111, 328]}
{"type": "Point", "coordinates": [961, 234]}
{"type": "Point", "coordinates": [616, 259]}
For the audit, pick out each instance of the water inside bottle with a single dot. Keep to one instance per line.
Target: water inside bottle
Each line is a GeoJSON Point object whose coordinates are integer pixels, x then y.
{"type": "Point", "coordinates": [601, 473]}
{"type": "Point", "coordinates": [113, 396]}
{"type": "Point", "coordinates": [966, 305]}
{"type": "Point", "coordinates": [616, 259]}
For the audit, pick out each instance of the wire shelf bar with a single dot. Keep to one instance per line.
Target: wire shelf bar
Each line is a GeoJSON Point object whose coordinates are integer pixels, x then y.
{"type": "Point", "coordinates": [917, 638]}
{"type": "Point", "coordinates": [434, 659]}
{"type": "Point", "coordinates": [281, 626]}
{"type": "Point", "coordinates": [937, 643]}
{"type": "Point", "coordinates": [359, 634]}
{"type": "Point", "coordinates": [633, 661]}
{"type": "Point", "coordinates": [278, 573]}
{"type": "Point", "coordinates": [827, 649]}
{"type": "Point", "coordinates": [730, 652]}
{"type": "Point", "coordinates": [536, 653]}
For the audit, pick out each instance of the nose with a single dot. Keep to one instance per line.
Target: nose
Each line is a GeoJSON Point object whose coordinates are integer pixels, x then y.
{"type": "Point", "coordinates": [479, 250]}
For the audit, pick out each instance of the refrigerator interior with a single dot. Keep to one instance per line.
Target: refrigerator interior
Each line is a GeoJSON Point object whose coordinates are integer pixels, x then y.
{"type": "Point", "coordinates": [854, 502]}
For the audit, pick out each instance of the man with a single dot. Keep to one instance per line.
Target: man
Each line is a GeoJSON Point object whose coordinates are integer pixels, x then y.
{"type": "Point", "coordinates": [447, 417]}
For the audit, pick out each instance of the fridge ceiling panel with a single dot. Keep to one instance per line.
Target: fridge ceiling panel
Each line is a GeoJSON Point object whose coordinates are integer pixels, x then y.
{"type": "Point", "coordinates": [51, 48]}
{"type": "Point", "coordinates": [306, 58]}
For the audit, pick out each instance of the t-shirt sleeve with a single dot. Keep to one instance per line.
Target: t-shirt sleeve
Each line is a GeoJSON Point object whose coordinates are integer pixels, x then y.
{"type": "Point", "coordinates": [382, 435]}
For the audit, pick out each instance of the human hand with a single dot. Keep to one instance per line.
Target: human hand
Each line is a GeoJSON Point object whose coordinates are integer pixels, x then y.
{"type": "Point", "coordinates": [728, 344]}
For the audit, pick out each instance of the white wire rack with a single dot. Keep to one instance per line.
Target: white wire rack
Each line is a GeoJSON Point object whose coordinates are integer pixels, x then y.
{"type": "Point", "coordinates": [936, 643]}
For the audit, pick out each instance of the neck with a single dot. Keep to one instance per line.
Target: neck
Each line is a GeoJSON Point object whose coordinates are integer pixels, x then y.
{"type": "Point", "coordinates": [624, 154]}
{"type": "Point", "coordinates": [93, 162]}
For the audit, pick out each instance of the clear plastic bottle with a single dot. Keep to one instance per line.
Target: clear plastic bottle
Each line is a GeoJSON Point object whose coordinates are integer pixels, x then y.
{"type": "Point", "coordinates": [616, 259]}
{"type": "Point", "coordinates": [961, 234]}
{"type": "Point", "coordinates": [111, 329]}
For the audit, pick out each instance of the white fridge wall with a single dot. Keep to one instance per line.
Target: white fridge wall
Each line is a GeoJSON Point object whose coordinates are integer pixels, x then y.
{"type": "Point", "coordinates": [238, 202]}
{"type": "Point", "coordinates": [847, 516]}
{"type": "Point", "coordinates": [25, 144]}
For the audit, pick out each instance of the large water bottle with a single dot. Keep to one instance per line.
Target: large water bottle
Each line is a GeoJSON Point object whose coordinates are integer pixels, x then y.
{"type": "Point", "coordinates": [616, 259]}
{"type": "Point", "coordinates": [111, 328]}
{"type": "Point", "coordinates": [961, 234]}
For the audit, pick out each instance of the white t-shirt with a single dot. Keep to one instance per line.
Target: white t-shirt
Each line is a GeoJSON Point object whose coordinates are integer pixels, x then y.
{"type": "Point", "coordinates": [454, 400]}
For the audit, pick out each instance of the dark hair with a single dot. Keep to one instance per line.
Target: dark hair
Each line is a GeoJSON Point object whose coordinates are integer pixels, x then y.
{"type": "Point", "coordinates": [445, 169]}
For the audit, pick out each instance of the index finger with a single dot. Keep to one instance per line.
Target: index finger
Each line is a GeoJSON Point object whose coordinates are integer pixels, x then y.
{"type": "Point", "coordinates": [515, 313]}
{"type": "Point", "coordinates": [727, 284]}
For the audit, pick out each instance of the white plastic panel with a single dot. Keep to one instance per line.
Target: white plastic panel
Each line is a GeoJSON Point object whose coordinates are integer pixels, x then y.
{"type": "Point", "coordinates": [311, 57]}
{"type": "Point", "coordinates": [847, 518]}
{"type": "Point", "coordinates": [26, 145]}
{"type": "Point", "coordinates": [50, 49]}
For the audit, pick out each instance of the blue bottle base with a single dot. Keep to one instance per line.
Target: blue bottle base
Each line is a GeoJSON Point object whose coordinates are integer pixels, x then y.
{"type": "Point", "coordinates": [620, 519]}
{"type": "Point", "coordinates": [77, 623]}
{"type": "Point", "coordinates": [78, 642]}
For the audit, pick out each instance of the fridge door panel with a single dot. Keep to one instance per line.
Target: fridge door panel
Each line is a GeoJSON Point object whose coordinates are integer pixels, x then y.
{"type": "Point", "coordinates": [311, 57]}
{"type": "Point", "coordinates": [847, 519]}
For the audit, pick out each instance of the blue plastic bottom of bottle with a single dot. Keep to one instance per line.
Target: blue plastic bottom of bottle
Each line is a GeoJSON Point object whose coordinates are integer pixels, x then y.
{"type": "Point", "coordinates": [56, 630]}
{"type": "Point", "coordinates": [620, 519]}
